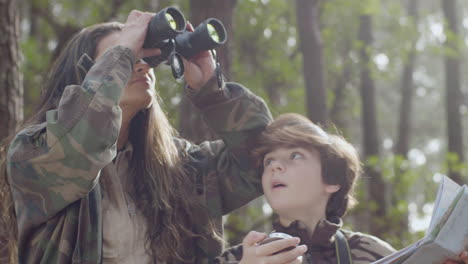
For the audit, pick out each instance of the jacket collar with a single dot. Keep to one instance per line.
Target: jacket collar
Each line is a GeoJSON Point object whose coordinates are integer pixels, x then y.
{"type": "Point", "coordinates": [322, 236]}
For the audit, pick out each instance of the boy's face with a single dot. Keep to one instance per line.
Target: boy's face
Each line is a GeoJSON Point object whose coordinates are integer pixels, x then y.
{"type": "Point", "coordinates": [292, 181]}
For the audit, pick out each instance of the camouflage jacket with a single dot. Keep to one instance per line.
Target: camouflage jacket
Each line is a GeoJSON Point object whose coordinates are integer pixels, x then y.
{"type": "Point", "coordinates": [321, 244]}
{"type": "Point", "coordinates": [54, 167]}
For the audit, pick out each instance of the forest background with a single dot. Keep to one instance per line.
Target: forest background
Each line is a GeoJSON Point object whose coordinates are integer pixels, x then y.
{"type": "Point", "coordinates": [387, 75]}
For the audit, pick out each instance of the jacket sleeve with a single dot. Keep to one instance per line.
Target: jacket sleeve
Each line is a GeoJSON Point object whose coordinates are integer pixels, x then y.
{"type": "Point", "coordinates": [228, 178]}
{"type": "Point", "coordinates": [231, 255]}
{"type": "Point", "coordinates": [367, 248]}
{"type": "Point", "coordinates": [52, 164]}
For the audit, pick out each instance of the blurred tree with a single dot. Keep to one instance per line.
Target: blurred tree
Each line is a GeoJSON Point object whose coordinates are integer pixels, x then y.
{"type": "Point", "coordinates": [34, 49]}
{"type": "Point", "coordinates": [407, 88]}
{"type": "Point", "coordinates": [11, 112]}
{"type": "Point", "coordinates": [63, 31]}
{"type": "Point", "coordinates": [377, 188]}
{"type": "Point", "coordinates": [311, 45]}
{"type": "Point", "coordinates": [453, 91]}
{"type": "Point", "coordinates": [266, 55]}
{"type": "Point", "coordinates": [11, 88]}
{"type": "Point", "coordinates": [338, 108]}
{"type": "Point", "coordinates": [400, 184]}
{"type": "Point", "coordinates": [339, 26]}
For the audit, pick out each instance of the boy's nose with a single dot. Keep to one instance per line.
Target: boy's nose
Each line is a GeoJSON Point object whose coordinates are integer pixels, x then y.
{"type": "Point", "coordinates": [278, 166]}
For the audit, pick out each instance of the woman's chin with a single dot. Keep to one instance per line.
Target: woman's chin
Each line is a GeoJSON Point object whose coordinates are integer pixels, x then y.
{"type": "Point", "coordinates": [140, 103]}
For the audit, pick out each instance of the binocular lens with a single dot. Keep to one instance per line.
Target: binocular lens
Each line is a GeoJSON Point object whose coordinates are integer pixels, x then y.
{"type": "Point", "coordinates": [213, 33]}
{"type": "Point", "coordinates": [175, 19]}
{"type": "Point", "coordinates": [163, 27]}
{"type": "Point", "coordinates": [206, 36]}
{"type": "Point", "coordinates": [171, 21]}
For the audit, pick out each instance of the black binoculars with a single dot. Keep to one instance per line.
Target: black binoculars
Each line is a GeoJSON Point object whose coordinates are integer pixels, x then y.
{"type": "Point", "coordinates": [167, 31]}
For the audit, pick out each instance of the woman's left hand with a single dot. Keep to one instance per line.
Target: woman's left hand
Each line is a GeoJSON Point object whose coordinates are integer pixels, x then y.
{"type": "Point", "coordinates": [198, 69]}
{"type": "Point", "coordinates": [463, 259]}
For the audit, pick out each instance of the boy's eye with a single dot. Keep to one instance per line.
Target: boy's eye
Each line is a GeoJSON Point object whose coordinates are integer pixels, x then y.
{"type": "Point", "coordinates": [266, 162]}
{"type": "Point", "coordinates": [296, 155]}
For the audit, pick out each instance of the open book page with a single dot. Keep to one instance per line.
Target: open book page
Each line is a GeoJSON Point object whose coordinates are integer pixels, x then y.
{"type": "Point", "coordinates": [403, 254]}
{"type": "Point", "coordinates": [453, 232]}
{"type": "Point", "coordinates": [445, 195]}
{"type": "Point", "coordinates": [449, 234]}
{"type": "Point", "coordinates": [429, 254]}
{"type": "Point", "coordinates": [447, 231]}
{"type": "Point", "coordinates": [447, 212]}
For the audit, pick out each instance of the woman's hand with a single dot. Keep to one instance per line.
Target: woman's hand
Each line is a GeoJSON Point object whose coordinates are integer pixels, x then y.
{"type": "Point", "coordinates": [198, 69]}
{"type": "Point", "coordinates": [463, 259]}
{"type": "Point", "coordinates": [133, 34]}
{"type": "Point", "coordinates": [255, 253]}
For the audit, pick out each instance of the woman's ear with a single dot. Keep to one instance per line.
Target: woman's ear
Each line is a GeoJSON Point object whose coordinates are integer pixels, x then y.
{"type": "Point", "coordinates": [332, 188]}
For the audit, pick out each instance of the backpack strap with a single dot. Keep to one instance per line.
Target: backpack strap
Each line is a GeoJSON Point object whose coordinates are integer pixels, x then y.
{"type": "Point", "coordinates": [343, 253]}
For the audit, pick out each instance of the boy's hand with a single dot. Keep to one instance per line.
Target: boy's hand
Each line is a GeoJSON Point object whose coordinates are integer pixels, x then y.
{"type": "Point", "coordinates": [255, 253]}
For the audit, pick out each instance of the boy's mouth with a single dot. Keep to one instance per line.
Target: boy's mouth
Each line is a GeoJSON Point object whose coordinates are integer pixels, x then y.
{"type": "Point", "coordinates": [277, 185]}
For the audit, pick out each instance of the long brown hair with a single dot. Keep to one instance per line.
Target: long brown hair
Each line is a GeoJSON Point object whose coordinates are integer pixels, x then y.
{"type": "Point", "coordinates": [339, 159]}
{"type": "Point", "coordinates": [162, 188]}
{"type": "Point", "coordinates": [161, 183]}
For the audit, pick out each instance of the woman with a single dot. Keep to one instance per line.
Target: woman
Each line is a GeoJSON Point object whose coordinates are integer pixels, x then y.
{"type": "Point", "coordinates": [97, 176]}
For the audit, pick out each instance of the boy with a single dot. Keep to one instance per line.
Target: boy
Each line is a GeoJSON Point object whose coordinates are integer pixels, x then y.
{"type": "Point", "coordinates": [308, 178]}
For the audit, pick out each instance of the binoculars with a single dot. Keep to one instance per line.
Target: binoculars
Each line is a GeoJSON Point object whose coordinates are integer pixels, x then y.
{"type": "Point", "coordinates": [167, 31]}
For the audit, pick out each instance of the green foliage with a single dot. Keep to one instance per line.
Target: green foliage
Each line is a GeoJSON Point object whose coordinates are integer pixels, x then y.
{"type": "Point", "coordinates": [407, 183]}
{"type": "Point", "coordinates": [33, 68]}
{"type": "Point", "coordinates": [453, 164]}
{"type": "Point", "coordinates": [453, 43]}
{"type": "Point", "coordinates": [265, 55]}
{"type": "Point", "coordinates": [247, 218]}
{"type": "Point", "coordinates": [369, 7]}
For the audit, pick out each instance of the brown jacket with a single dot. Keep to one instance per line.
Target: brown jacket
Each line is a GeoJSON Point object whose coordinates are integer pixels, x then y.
{"type": "Point", "coordinates": [321, 244]}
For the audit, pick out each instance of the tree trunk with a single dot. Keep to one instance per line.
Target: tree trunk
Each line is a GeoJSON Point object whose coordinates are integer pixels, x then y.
{"type": "Point", "coordinates": [192, 126]}
{"type": "Point", "coordinates": [11, 113]}
{"type": "Point", "coordinates": [11, 88]}
{"type": "Point", "coordinates": [338, 110]}
{"type": "Point", "coordinates": [453, 93]}
{"type": "Point", "coordinates": [371, 140]}
{"type": "Point", "coordinates": [404, 124]}
{"type": "Point", "coordinates": [310, 42]}
{"type": "Point", "coordinates": [400, 188]}
{"type": "Point", "coordinates": [407, 88]}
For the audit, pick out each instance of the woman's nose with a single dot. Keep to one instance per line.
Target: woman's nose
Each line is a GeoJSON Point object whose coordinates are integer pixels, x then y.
{"type": "Point", "coordinates": [142, 67]}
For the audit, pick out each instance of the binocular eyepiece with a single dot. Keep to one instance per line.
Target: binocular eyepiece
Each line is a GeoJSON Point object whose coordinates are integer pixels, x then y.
{"type": "Point", "coordinates": [167, 31]}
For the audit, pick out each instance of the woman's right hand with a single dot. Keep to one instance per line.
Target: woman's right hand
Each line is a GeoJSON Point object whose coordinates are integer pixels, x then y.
{"type": "Point", "coordinates": [255, 253]}
{"type": "Point", "coordinates": [133, 34]}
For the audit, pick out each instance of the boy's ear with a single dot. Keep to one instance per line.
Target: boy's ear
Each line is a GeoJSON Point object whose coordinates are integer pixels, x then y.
{"type": "Point", "coordinates": [332, 188]}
